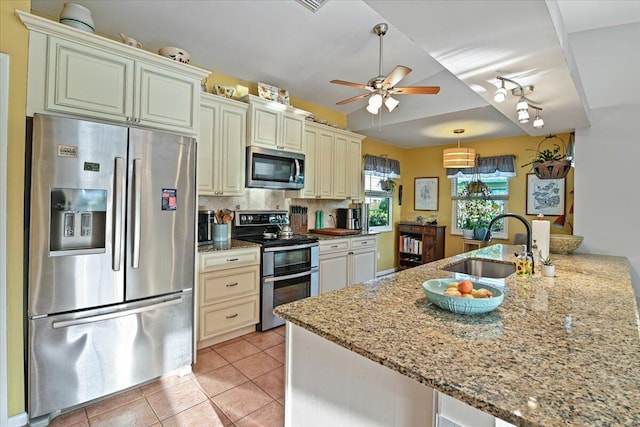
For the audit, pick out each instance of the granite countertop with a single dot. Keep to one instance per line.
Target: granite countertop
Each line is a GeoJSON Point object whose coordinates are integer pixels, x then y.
{"type": "Point", "coordinates": [562, 351]}
{"type": "Point", "coordinates": [227, 245]}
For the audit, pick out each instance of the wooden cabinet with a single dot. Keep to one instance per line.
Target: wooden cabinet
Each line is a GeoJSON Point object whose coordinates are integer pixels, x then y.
{"type": "Point", "coordinates": [276, 126]}
{"type": "Point", "coordinates": [228, 294]}
{"type": "Point", "coordinates": [419, 244]}
{"type": "Point", "coordinates": [333, 164]}
{"type": "Point", "coordinates": [347, 261]}
{"type": "Point", "coordinates": [221, 146]}
{"type": "Point", "coordinates": [81, 74]}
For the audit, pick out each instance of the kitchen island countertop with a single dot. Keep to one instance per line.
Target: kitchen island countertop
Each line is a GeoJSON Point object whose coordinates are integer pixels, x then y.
{"type": "Point", "coordinates": [561, 351]}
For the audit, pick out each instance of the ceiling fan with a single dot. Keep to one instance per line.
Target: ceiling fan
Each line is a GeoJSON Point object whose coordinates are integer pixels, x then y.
{"type": "Point", "coordinates": [381, 88]}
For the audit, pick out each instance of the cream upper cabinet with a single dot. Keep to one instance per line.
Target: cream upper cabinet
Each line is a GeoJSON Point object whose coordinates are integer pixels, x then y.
{"type": "Point", "coordinates": [82, 74]}
{"type": "Point", "coordinates": [354, 169]}
{"type": "Point", "coordinates": [221, 146]}
{"type": "Point", "coordinates": [333, 164]}
{"type": "Point", "coordinates": [276, 126]}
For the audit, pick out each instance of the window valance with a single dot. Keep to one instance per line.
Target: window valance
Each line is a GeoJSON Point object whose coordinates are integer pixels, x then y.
{"type": "Point", "coordinates": [382, 166]}
{"type": "Point", "coordinates": [488, 167]}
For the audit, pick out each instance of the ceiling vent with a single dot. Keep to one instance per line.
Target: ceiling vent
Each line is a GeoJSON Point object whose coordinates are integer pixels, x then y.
{"type": "Point", "coordinates": [312, 5]}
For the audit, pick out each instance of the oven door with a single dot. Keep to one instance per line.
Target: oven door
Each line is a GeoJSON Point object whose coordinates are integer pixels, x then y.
{"type": "Point", "coordinates": [287, 260]}
{"type": "Point", "coordinates": [277, 290]}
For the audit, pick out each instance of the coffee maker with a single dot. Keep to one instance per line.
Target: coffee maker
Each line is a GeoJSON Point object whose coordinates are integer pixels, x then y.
{"type": "Point", "coordinates": [206, 219]}
{"type": "Point", "coordinates": [349, 218]}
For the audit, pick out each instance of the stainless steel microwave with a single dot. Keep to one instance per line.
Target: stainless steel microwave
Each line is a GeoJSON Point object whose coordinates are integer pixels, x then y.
{"type": "Point", "coordinates": [274, 169]}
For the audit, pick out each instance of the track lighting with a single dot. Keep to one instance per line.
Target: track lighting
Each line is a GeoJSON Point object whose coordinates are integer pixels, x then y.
{"type": "Point", "coordinates": [523, 105]}
{"type": "Point", "coordinates": [538, 123]}
{"type": "Point", "coordinates": [501, 94]}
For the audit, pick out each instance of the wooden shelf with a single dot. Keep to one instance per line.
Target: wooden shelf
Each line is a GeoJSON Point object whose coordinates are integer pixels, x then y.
{"type": "Point", "coordinates": [419, 244]}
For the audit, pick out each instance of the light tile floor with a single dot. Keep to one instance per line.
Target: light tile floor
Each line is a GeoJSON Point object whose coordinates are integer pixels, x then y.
{"type": "Point", "coordinates": [239, 383]}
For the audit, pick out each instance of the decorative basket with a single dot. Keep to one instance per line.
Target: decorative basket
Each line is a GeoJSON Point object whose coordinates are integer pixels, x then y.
{"type": "Point", "coordinates": [552, 170]}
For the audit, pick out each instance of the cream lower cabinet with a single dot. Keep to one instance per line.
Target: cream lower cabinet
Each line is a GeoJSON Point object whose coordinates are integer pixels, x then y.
{"type": "Point", "coordinates": [347, 261]}
{"type": "Point", "coordinates": [221, 146]}
{"type": "Point", "coordinates": [228, 294]}
{"type": "Point", "coordinates": [82, 74]}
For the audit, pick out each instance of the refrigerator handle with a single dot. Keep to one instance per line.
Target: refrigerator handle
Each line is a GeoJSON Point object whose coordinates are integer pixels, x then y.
{"type": "Point", "coordinates": [115, 314]}
{"type": "Point", "coordinates": [137, 178]}
{"type": "Point", "coordinates": [118, 214]}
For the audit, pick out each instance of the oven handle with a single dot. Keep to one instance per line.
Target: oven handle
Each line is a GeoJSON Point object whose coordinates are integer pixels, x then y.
{"type": "Point", "coordinates": [290, 248]}
{"type": "Point", "coordinates": [290, 276]}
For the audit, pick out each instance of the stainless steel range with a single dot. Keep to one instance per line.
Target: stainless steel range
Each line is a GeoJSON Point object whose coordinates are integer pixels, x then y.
{"type": "Point", "coordinates": [289, 265]}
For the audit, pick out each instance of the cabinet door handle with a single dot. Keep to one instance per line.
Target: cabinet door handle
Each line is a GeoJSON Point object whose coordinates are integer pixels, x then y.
{"type": "Point", "coordinates": [231, 316]}
{"type": "Point", "coordinates": [230, 285]}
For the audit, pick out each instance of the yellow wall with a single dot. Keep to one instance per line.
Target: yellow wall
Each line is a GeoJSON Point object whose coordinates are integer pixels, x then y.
{"type": "Point", "coordinates": [14, 42]}
{"type": "Point", "coordinates": [387, 242]}
{"type": "Point", "coordinates": [427, 162]}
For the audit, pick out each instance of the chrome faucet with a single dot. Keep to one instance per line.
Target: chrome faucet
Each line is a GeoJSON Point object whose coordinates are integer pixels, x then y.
{"type": "Point", "coordinates": [487, 237]}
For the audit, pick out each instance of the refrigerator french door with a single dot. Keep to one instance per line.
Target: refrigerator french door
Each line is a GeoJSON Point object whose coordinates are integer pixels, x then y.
{"type": "Point", "coordinates": [111, 259]}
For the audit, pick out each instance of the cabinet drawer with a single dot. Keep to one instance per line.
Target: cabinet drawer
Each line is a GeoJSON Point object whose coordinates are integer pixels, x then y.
{"type": "Point", "coordinates": [221, 260]}
{"type": "Point", "coordinates": [363, 242]}
{"type": "Point", "coordinates": [411, 229]}
{"type": "Point", "coordinates": [228, 284]}
{"type": "Point", "coordinates": [334, 245]}
{"type": "Point", "coordinates": [225, 317]}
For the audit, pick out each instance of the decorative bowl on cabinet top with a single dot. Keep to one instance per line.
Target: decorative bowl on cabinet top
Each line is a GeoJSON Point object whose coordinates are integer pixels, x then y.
{"type": "Point", "coordinates": [176, 54]}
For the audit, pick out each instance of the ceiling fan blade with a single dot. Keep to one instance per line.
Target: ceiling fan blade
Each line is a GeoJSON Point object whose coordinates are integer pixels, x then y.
{"type": "Point", "coordinates": [397, 74]}
{"type": "Point", "coordinates": [355, 98]}
{"type": "Point", "coordinates": [415, 90]}
{"type": "Point", "coordinates": [345, 83]}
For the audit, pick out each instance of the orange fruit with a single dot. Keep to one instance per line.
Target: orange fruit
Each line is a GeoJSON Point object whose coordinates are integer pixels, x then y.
{"type": "Point", "coordinates": [465, 286]}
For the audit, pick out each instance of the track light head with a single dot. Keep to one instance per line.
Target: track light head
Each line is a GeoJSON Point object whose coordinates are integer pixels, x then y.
{"type": "Point", "coordinates": [522, 105]}
{"type": "Point", "coordinates": [538, 123]}
{"type": "Point", "coordinates": [501, 93]}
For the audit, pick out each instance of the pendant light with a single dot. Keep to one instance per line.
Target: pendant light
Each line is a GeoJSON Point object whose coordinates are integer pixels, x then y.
{"type": "Point", "coordinates": [458, 157]}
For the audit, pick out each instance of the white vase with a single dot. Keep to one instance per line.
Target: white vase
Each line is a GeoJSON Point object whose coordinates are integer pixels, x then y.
{"type": "Point", "coordinates": [467, 234]}
{"type": "Point", "coordinates": [548, 270]}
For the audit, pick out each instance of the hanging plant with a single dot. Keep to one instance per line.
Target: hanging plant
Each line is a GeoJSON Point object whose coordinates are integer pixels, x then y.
{"type": "Point", "coordinates": [550, 164]}
{"type": "Point", "coordinates": [388, 185]}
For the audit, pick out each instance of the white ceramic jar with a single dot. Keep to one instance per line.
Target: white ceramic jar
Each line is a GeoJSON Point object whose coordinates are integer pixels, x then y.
{"type": "Point", "coordinates": [77, 16]}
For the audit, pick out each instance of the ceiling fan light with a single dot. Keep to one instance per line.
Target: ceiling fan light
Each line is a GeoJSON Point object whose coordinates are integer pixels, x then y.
{"type": "Point", "coordinates": [372, 109]}
{"type": "Point", "coordinates": [391, 103]}
{"type": "Point", "coordinates": [500, 95]}
{"type": "Point", "coordinates": [375, 101]}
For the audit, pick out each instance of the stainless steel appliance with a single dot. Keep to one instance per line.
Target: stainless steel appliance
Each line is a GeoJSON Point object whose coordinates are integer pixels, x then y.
{"type": "Point", "coordinates": [206, 220]}
{"type": "Point", "coordinates": [289, 265]}
{"type": "Point", "coordinates": [111, 259]}
{"type": "Point", "coordinates": [349, 218]}
{"type": "Point", "coordinates": [274, 169]}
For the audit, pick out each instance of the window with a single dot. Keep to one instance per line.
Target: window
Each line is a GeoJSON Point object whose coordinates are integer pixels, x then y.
{"type": "Point", "coordinates": [380, 203]}
{"type": "Point", "coordinates": [480, 210]}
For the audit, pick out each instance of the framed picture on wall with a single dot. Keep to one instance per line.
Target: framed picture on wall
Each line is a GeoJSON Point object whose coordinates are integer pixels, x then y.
{"type": "Point", "coordinates": [545, 196]}
{"type": "Point", "coordinates": [425, 194]}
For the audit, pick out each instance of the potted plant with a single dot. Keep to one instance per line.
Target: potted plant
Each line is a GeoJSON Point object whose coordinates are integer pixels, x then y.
{"type": "Point", "coordinates": [549, 163]}
{"type": "Point", "coordinates": [548, 268]}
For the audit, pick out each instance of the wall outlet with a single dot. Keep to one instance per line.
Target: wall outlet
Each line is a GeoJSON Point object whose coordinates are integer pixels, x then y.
{"type": "Point", "coordinates": [378, 255]}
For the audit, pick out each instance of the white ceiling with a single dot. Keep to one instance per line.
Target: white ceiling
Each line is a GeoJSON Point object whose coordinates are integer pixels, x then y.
{"type": "Point", "coordinates": [577, 54]}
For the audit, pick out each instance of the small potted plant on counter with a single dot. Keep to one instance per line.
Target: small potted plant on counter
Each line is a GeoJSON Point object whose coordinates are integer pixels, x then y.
{"type": "Point", "coordinates": [548, 268]}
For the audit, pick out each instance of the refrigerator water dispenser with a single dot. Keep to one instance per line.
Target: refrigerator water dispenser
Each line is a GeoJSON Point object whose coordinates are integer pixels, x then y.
{"type": "Point", "coordinates": [78, 219]}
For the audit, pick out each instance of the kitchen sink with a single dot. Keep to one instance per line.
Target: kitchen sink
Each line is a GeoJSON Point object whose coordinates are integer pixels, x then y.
{"type": "Point", "coordinates": [482, 268]}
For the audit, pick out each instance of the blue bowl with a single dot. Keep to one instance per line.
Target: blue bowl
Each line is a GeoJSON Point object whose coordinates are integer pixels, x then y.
{"type": "Point", "coordinates": [434, 288]}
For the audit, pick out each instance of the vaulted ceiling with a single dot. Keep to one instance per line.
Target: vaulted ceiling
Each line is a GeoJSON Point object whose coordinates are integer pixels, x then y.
{"type": "Point", "coordinates": [578, 55]}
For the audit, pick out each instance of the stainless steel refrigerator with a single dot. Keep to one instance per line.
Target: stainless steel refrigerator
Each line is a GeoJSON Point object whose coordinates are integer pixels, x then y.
{"type": "Point", "coordinates": [111, 259]}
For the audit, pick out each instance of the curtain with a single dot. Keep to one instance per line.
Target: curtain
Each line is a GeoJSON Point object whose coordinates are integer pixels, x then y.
{"type": "Point", "coordinates": [381, 166]}
{"type": "Point", "coordinates": [488, 167]}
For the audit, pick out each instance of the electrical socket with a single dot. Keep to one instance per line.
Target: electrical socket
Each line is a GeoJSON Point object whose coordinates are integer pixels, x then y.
{"type": "Point", "coordinates": [378, 255]}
